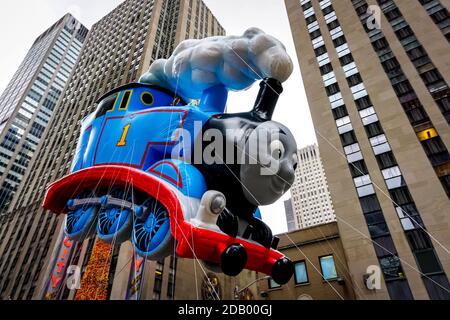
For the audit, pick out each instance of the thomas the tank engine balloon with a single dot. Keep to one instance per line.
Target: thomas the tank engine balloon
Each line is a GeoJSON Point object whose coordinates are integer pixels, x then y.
{"type": "Point", "coordinates": [140, 170]}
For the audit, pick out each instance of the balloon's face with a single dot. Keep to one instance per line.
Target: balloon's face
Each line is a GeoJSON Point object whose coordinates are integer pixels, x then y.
{"type": "Point", "coordinates": [272, 159]}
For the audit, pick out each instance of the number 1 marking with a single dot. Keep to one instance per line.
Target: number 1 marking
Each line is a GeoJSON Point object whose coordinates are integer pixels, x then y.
{"type": "Point", "coordinates": [123, 142]}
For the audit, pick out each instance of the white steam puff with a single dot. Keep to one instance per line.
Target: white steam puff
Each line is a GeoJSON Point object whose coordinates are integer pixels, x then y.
{"type": "Point", "coordinates": [235, 62]}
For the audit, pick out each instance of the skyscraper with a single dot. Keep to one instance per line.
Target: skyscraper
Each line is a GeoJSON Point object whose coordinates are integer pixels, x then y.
{"type": "Point", "coordinates": [118, 49]}
{"type": "Point", "coordinates": [27, 104]}
{"type": "Point", "coordinates": [376, 75]}
{"type": "Point", "coordinates": [311, 200]}
{"type": "Point", "coordinates": [290, 219]}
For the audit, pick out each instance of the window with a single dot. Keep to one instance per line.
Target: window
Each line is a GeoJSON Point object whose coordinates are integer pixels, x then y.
{"type": "Point", "coordinates": [273, 284]}
{"type": "Point", "coordinates": [427, 134]}
{"type": "Point", "coordinates": [404, 32]}
{"type": "Point", "coordinates": [368, 116]}
{"type": "Point", "coordinates": [332, 89]}
{"type": "Point", "coordinates": [354, 80]}
{"type": "Point", "coordinates": [147, 98]}
{"type": "Point", "coordinates": [445, 180]}
{"type": "Point", "coordinates": [391, 267]}
{"type": "Point", "coordinates": [301, 274]}
{"type": "Point", "coordinates": [315, 34]}
{"type": "Point", "coordinates": [386, 160]}
{"type": "Point", "coordinates": [358, 168]}
{"type": "Point", "coordinates": [353, 153]}
{"type": "Point", "coordinates": [340, 112]}
{"type": "Point", "coordinates": [327, 10]}
{"type": "Point", "coordinates": [415, 112]}
{"type": "Point", "coordinates": [320, 50]}
{"type": "Point", "coordinates": [409, 217]}
{"type": "Point", "coordinates": [403, 88]}
{"type": "Point", "coordinates": [333, 24]}
{"type": "Point", "coordinates": [306, 6]}
{"type": "Point", "coordinates": [401, 196]}
{"type": "Point", "coordinates": [339, 41]}
{"type": "Point", "coordinates": [363, 103]}
{"type": "Point", "coordinates": [348, 58]}
{"type": "Point", "coordinates": [376, 224]}
{"type": "Point", "coordinates": [106, 105]}
{"type": "Point", "coordinates": [424, 252]}
{"type": "Point", "coordinates": [326, 68]}
{"type": "Point", "coordinates": [374, 129]}
{"type": "Point", "coordinates": [125, 100]}
{"type": "Point", "coordinates": [436, 151]}
{"type": "Point", "coordinates": [344, 125]}
{"type": "Point", "coordinates": [364, 186]}
{"type": "Point", "coordinates": [380, 144]}
{"type": "Point", "coordinates": [348, 138]}
{"type": "Point", "coordinates": [369, 204]}
{"type": "Point", "coordinates": [311, 19]}
{"type": "Point", "coordinates": [328, 267]}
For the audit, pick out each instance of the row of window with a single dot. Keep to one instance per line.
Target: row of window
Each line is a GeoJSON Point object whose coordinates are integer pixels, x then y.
{"type": "Point", "coordinates": [432, 78]}
{"type": "Point", "coordinates": [438, 154]}
{"type": "Point", "coordinates": [439, 14]}
{"type": "Point", "coordinates": [327, 267]}
{"type": "Point", "coordinates": [374, 218]}
{"type": "Point", "coordinates": [402, 200]}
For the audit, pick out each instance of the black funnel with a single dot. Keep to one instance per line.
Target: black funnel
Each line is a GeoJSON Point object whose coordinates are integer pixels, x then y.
{"type": "Point", "coordinates": [267, 98]}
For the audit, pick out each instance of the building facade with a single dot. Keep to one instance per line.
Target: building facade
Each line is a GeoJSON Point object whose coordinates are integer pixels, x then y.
{"type": "Point", "coordinates": [376, 76]}
{"type": "Point", "coordinates": [321, 267]}
{"type": "Point", "coordinates": [28, 102]}
{"type": "Point", "coordinates": [118, 49]}
{"type": "Point", "coordinates": [311, 200]}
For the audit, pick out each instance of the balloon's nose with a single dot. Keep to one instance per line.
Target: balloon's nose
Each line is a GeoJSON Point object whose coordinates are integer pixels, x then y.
{"type": "Point", "coordinates": [287, 172]}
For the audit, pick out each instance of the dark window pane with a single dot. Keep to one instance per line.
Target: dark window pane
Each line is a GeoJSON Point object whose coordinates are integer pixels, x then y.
{"type": "Point", "coordinates": [399, 290]}
{"type": "Point", "coordinates": [428, 261]}
{"type": "Point", "coordinates": [370, 204]}
{"type": "Point", "coordinates": [378, 230]}
{"type": "Point", "coordinates": [374, 129]}
{"type": "Point", "coordinates": [340, 112]}
{"type": "Point", "coordinates": [320, 50]}
{"type": "Point", "coordinates": [363, 103]}
{"type": "Point", "coordinates": [348, 138]}
{"type": "Point", "coordinates": [332, 89]}
{"type": "Point", "coordinates": [125, 99]}
{"type": "Point", "coordinates": [348, 58]}
{"type": "Point", "coordinates": [358, 168]}
{"type": "Point", "coordinates": [105, 105]}
{"type": "Point", "coordinates": [437, 286]}
{"type": "Point", "coordinates": [386, 160]}
{"type": "Point", "coordinates": [419, 240]}
{"type": "Point", "coordinates": [326, 68]}
{"type": "Point", "coordinates": [401, 196]}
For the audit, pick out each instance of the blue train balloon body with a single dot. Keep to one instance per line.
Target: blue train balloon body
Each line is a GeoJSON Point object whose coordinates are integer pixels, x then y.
{"type": "Point", "coordinates": [126, 184]}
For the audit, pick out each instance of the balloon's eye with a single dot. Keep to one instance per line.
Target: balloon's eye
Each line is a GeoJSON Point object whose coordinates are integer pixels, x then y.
{"type": "Point", "coordinates": [295, 158]}
{"type": "Point", "coordinates": [277, 149]}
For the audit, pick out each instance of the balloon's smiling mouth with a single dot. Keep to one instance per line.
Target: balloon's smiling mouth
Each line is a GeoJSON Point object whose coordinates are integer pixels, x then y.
{"type": "Point", "coordinates": [278, 185]}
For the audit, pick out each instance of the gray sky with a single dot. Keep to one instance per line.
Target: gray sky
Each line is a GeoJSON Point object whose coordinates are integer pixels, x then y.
{"type": "Point", "coordinates": [21, 21]}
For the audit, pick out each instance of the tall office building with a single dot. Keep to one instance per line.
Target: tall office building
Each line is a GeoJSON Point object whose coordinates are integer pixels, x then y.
{"type": "Point", "coordinates": [376, 75]}
{"type": "Point", "coordinates": [311, 200]}
{"type": "Point", "coordinates": [290, 219]}
{"type": "Point", "coordinates": [118, 49]}
{"type": "Point", "coordinates": [27, 104]}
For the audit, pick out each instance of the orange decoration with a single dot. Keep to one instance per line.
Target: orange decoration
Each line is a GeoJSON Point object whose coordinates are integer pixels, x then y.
{"type": "Point", "coordinates": [94, 285]}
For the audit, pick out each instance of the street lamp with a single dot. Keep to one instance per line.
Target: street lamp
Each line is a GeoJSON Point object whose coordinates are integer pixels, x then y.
{"type": "Point", "coordinates": [238, 292]}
